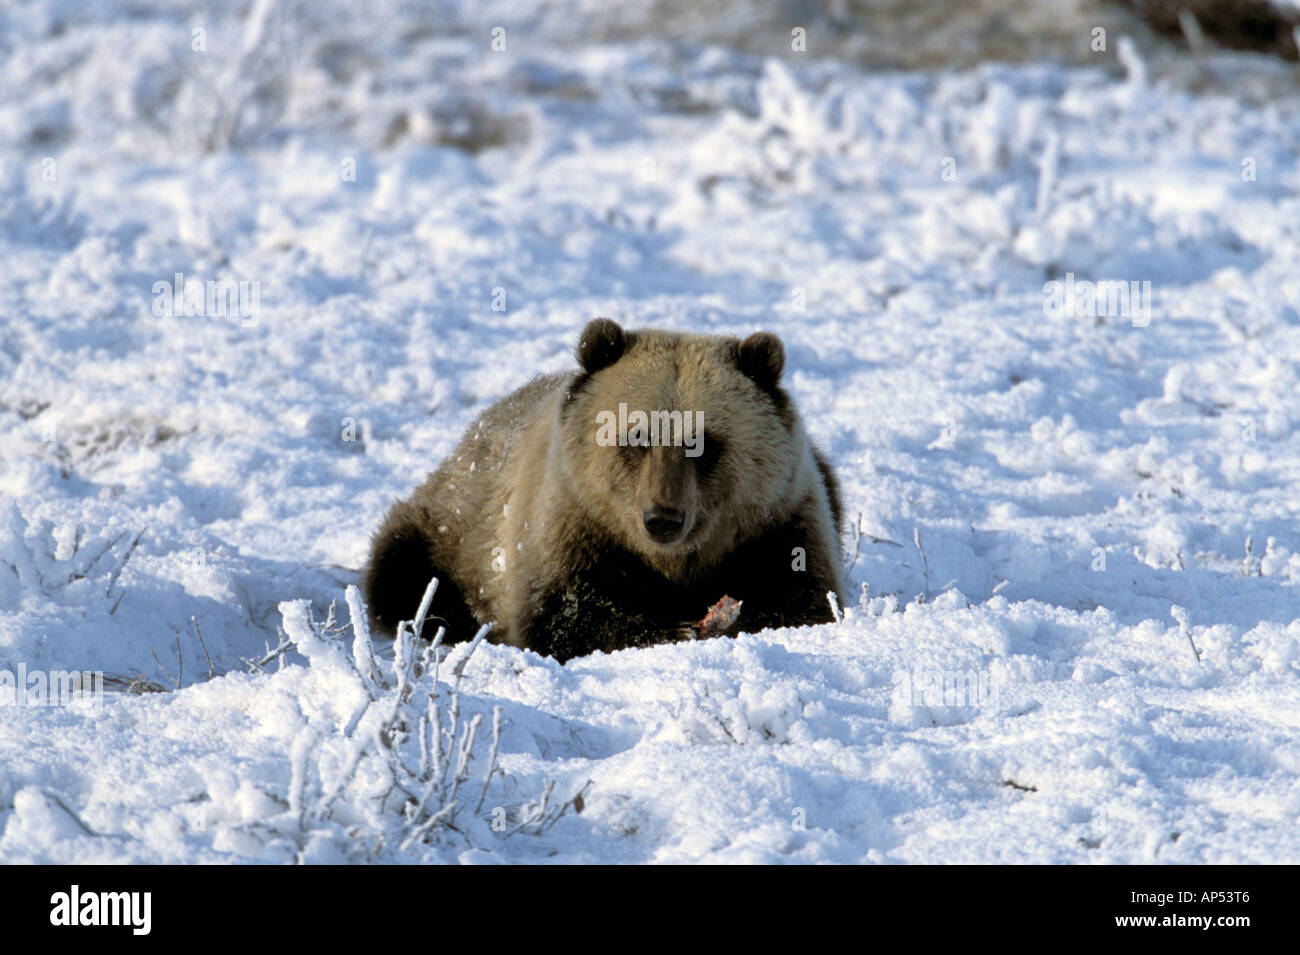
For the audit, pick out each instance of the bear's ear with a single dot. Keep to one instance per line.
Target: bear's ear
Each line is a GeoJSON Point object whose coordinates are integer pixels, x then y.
{"type": "Point", "coordinates": [600, 345]}
{"type": "Point", "coordinates": [762, 358]}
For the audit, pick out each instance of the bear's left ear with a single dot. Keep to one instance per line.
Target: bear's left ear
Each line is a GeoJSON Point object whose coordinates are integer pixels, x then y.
{"type": "Point", "coordinates": [600, 345]}
{"type": "Point", "coordinates": [762, 358]}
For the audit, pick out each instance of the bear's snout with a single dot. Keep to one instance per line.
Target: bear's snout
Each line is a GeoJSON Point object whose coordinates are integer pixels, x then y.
{"type": "Point", "coordinates": [666, 496]}
{"type": "Point", "coordinates": [663, 524]}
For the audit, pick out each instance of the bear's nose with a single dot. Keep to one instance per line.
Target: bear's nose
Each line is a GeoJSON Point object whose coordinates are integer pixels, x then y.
{"type": "Point", "coordinates": [663, 524]}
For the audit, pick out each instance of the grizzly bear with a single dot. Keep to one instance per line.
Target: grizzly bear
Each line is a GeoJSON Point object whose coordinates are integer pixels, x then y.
{"type": "Point", "coordinates": [573, 532]}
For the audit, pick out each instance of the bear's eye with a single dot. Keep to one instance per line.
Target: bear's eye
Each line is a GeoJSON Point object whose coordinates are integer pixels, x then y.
{"type": "Point", "coordinates": [710, 454]}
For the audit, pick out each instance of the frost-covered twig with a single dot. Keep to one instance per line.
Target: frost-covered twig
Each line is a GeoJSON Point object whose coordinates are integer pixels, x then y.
{"type": "Point", "coordinates": [176, 680]}
{"type": "Point", "coordinates": [1192, 32]}
{"type": "Point", "coordinates": [540, 818]}
{"type": "Point", "coordinates": [1047, 170]}
{"type": "Point", "coordinates": [363, 656]}
{"type": "Point", "coordinates": [81, 823]}
{"type": "Point", "coordinates": [199, 633]}
{"type": "Point", "coordinates": [408, 733]}
{"type": "Point", "coordinates": [83, 570]}
{"type": "Point", "coordinates": [1250, 566]}
{"type": "Point", "coordinates": [1185, 627]}
{"type": "Point", "coordinates": [492, 756]}
{"type": "Point", "coordinates": [326, 804]}
{"type": "Point", "coordinates": [272, 653]}
{"type": "Point", "coordinates": [28, 552]}
{"type": "Point", "coordinates": [112, 580]}
{"type": "Point", "coordinates": [425, 603]}
{"type": "Point", "coordinates": [230, 102]}
{"type": "Point", "coordinates": [138, 686]}
{"type": "Point", "coordinates": [857, 544]}
{"type": "Point", "coordinates": [459, 669]}
{"type": "Point", "coordinates": [925, 565]}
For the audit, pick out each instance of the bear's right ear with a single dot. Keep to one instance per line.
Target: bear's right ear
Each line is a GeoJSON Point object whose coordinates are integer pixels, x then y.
{"type": "Point", "coordinates": [600, 345]}
{"type": "Point", "coordinates": [761, 357]}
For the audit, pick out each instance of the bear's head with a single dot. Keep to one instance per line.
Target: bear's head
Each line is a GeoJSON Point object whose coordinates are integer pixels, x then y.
{"type": "Point", "coordinates": [680, 445]}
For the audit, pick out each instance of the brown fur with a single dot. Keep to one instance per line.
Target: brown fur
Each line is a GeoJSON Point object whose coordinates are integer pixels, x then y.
{"type": "Point", "coordinates": [532, 524]}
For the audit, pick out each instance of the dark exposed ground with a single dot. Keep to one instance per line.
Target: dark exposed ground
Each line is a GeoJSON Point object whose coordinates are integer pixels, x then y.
{"type": "Point", "coordinates": [911, 35]}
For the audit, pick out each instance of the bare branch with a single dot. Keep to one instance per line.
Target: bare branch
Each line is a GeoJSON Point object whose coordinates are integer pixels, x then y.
{"type": "Point", "coordinates": [199, 633]}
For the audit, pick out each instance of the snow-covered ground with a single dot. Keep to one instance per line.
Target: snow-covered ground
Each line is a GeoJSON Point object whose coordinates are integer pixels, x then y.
{"type": "Point", "coordinates": [1074, 560]}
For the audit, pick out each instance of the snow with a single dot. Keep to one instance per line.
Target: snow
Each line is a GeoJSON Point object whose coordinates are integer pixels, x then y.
{"type": "Point", "coordinates": [1088, 522]}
